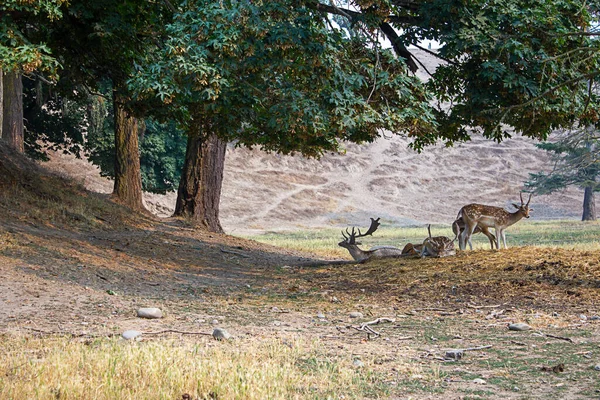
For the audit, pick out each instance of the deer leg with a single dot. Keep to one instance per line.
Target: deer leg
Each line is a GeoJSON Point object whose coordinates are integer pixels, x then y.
{"type": "Point", "coordinates": [498, 236]}
{"type": "Point", "coordinates": [466, 236]}
{"type": "Point", "coordinates": [504, 239]}
{"type": "Point", "coordinates": [490, 236]}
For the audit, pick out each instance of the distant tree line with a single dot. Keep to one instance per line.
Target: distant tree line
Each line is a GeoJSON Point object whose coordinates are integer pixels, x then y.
{"type": "Point", "coordinates": [153, 91]}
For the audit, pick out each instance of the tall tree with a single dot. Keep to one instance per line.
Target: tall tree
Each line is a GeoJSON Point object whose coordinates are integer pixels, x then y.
{"type": "Point", "coordinates": [576, 157]}
{"type": "Point", "coordinates": [103, 40]}
{"type": "Point", "coordinates": [19, 53]}
{"type": "Point", "coordinates": [248, 72]}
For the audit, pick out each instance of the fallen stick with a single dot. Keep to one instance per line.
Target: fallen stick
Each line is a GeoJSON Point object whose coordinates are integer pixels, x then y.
{"type": "Point", "coordinates": [176, 331]}
{"type": "Point", "coordinates": [558, 337]}
{"type": "Point", "coordinates": [478, 307]}
{"type": "Point", "coordinates": [377, 321]}
{"type": "Point", "coordinates": [487, 346]}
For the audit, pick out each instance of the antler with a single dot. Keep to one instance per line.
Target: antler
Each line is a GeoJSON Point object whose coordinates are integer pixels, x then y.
{"type": "Point", "coordinates": [352, 236]}
{"type": "Point", "coordinates": [522, 202]}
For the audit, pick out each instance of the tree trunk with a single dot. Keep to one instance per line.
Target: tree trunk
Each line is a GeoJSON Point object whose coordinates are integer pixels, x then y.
{"type": "Point", "coordinates": [1, 103]}
{"type": "Point", "coordinates": [12, 120]}
{"type": "Point", "coordinates": [199, 190]}
{"type": "Point", "coordinates": [128, 176]}
{"type": "Point", "coordinates": [589, 205]}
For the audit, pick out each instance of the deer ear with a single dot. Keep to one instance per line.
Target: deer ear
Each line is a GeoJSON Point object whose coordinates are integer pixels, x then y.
{"type": "Point", "coordinates": [516, 206]}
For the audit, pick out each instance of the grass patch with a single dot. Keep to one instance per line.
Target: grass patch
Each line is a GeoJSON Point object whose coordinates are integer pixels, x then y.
{"type": "Point", "coordinates": [568, 234]}
{"type": "Point", "coordinates": [167, 369]}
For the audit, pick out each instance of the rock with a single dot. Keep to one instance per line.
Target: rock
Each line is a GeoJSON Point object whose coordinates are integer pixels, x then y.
{"type": "Point", "coordinates": [594, 318]}
{"type": "Point", "coordinates": [356, 314]}
{"type": "Point", "coordinates": [583, 317]}
{"type": "Point", "coordinates": [454, 354]}
{"type": "Point", "coordinates": [221, 334]}
{"type": "Point", "coordinates": [215, 322]}
{"type": "Point", "coordinates": [358, 363]}
{"type": "Point", "coordinates": [519, 326]}
{"type": "Point", "coordinates": [321, 316]}
{"type": "Point", "coordinates": [597, 367]}
{"type": "Point", "coordinates": [150, 313]}
{"type": "Point", "coordinates": [111, 292]}
{"type": "Point", "coordinates": [479, 381]}
{"type": "Point", "coordinates": [131, 334]}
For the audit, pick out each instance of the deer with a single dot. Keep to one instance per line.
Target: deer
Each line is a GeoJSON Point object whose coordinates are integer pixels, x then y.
{"type": "Point", "coordinates": [474, 215]}
{"type": "Point", "coordinates": [360, 255]}
{"type": "Point", "coordinates": [438, 246]}
{"type": "Point", "coordinates": [459, 225]}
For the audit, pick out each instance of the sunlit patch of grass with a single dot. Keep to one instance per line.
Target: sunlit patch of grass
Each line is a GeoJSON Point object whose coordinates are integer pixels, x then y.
{"type": "Point", "coordinates": [569, 234]}
{"type": "Point", "coordinates": [167, 369]}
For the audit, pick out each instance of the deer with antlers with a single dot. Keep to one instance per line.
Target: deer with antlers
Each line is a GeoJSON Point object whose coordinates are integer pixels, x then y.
{"type": "Point", "coordinates": [474, 215]}
{"type": "Point", "coordinates": [360, 255]}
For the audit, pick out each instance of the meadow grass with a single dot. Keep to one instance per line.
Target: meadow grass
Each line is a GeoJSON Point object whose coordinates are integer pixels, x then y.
{"type": "Point", "coordinates": [64, 368]}
{"type": "Point", "coordinates": [570, 234]}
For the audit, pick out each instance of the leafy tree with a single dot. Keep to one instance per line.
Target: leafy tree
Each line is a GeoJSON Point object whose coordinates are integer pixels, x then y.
{"type": "Point", "coordinates": [248, 72]}
{"type": "Point", "coordinates": [576, 157]}
{"type": "Point", "coordinates": [19, 20]}
{"type": "Point", "coordinates": [102, 40]}
{"type": "Point", "coordinates": [283, 76]}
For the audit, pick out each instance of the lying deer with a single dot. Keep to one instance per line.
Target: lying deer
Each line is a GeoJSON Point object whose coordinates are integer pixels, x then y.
{"type": "Point", "coordinates": [359, 255]}
{"type": "Point", "coordinates": [475, 215]}
{"type": "Point", "coordinates": [439, 246]}
{"type": "Point", "coordinates": [459, 225]}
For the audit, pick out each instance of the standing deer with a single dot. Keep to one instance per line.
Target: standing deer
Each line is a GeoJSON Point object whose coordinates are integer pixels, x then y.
{"type": "Point", "coordinates": [359, 255]}
{"type": "Point", "coordinates": [475, 215]}
{"type": "Point", "coordinates": [439, 246]}
{"type": "Point", "coordinates": [458, 226]}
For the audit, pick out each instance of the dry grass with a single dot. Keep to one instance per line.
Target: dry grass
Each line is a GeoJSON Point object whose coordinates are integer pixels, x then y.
{"type": "Point", "coordinates": [115, 369]}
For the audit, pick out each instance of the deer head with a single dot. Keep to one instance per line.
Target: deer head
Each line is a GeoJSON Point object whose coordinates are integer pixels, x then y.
{"type": "Point", "coordinates": [524, 208]}
{"type": "Point", "coordinates": [350, 240]}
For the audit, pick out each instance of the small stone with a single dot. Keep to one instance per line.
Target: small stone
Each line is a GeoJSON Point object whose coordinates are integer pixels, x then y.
{"type": "Point", "coordinates": [519, 326]}
{"type": "Point", "coordinates": [594, 318]}
{"type": "Point", "coordinates": [555, 314]}
{"type": "Point", "coordinates": [321, 316]}
{"type": "Point", "coordinates": [454, 354]}
{"type": "Point", "coordinates": [215, 322]}
{"type": "Point", "coordinates": [597, 367]}
{"type": "Point", "coordinates": [221, 334]}
{"type": "Point", "coordinates": [479, 381]}
{"type": "Point", "coordinates": [150, 313]}
{"type": "Point", "coordinates": [358, 363]}
{"type": "Point", "coordinates": [111, 292]}
{"type": "Point", "coordinates": [583, 317]}
{"type": "Point", "coordinates": [356, 314]}
{"type": "Point", "coordinates": [131, 334]}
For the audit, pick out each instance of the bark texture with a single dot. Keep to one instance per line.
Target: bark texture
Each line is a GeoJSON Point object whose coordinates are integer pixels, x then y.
{"type": "Point", "coordinates": [589, 205]}
{"type": "Point", "coordinates": [12, 110]}
{"type": "Point", "coordinates": [128, 177]}
{"type": "Point", "coordinates": [199, 190]}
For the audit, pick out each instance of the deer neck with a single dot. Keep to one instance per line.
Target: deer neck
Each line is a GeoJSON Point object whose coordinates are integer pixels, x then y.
{"type": "Point", "coordinates": [513, 218]}
{"type": "Point", "coordinates": [358, 254]}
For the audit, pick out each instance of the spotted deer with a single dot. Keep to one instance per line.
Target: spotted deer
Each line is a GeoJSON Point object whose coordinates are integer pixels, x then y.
{"type": "Point", "coordinates": [438, 246]}
{"type": "Point", "coordinates": [475, 215]}
{"type": "Point", "coordinates": [359, 255]}
{"type": "Point", "coordinates": [458, 226]}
